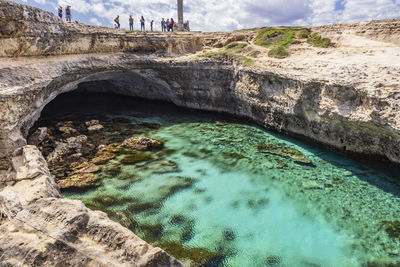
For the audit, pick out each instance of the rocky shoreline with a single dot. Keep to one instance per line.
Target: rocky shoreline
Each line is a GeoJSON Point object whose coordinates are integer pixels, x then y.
{"type": "Point", "coordinates": [346, 97]}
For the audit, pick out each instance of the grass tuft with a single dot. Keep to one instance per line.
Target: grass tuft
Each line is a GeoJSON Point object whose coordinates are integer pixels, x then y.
{"type": "Point", "coordinates": [275, 37]}
{"type": "Point", "coordinates": [254, 54]}
{"type": "Point", "coordinates": [235, 47]}
{"type": "Point", "coordinates": [278, 52]}
{"type": "Point", "coordinates": [316, 40]}
{"type": "Point", "coordinates": [278, 39]}
{"type": "Point", "coordinates": [303, 34]}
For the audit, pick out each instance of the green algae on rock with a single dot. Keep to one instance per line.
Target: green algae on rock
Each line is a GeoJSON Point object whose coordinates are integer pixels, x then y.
{"type": "Point", "coordinates": [392, 228]}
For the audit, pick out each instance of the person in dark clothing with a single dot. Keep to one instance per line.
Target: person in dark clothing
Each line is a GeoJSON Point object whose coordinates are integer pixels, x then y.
{"type": "Point", "coordinates": [142, 21]}
{"type": "Point", "coordinates": [163, 25]}
{"type": "Point", "coordinates": [68, 13]}
{"type": "Point", "coordinates": [168, 25]}
{"type": "Point", "coordinates": [60, 12]}
{"type": "Point", "coordinates": [116, 20]}
{"type": "Point", "coordinates": [172, 24]}
{"type": "Point", "coordinates": [130, 23]}
{"type": "Point", "coordinates": [151, 25]}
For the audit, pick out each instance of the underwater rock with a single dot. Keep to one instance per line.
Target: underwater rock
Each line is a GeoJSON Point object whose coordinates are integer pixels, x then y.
{"type": "Point", "coordinates": [162, 166]}
{"type": "Point", "coordinates": [38, 136]}
{"type": "Point", "coordinates": [287, 152]}
{"type": "Point", "coordinates": [138, 206]}
{"type": "Point", "coordinates": [94, 128]}
{"type": "Point", "coordinates": [312, 185]}
{"type": "Point", "coordinates": [135, 158]}
{"type": "Point", "coordinates": [94, 125]}
{"type": "Point", "coordinates": [102, 158]}
{"type": "Point", "coordinates": [112, 170]}
{"type": "Point", "coordinates": [142, 143]}
{"type": "Point", "coordinates": [180, 184]}
{"type": "Point", "coordinates": [392, 228]}
{"type": "Point", "coordinates": [257, 203]}
{"type": "Point", "coordinates": [80, 180]}
{"type": "Point", "coordinates": [229, 235]}
{"type": "Point", "coordinates": [71, 146]}
{"type": "Point", "coordinates": [191, 256]}
{"type": "Point", "coordinates": [273, 261]}
{"type": "Point", "coordinates": [381, 263]}
{"type": "Point", "coordinates": [68, 130]}
{"type": "Point", "coordinates": [86, 167]}
{"type": "Point", "coordinates": [177, 219]}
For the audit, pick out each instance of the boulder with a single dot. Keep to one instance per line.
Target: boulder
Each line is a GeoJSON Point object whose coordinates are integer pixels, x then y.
{"type": "Point", "coordinates": [71, 146]}
{"type": "Point", "coordinates": [142, 143]}
{"type": "Point", "coordinates": [96, 127]}
{"type": "Point", "coordinates": [78, 180]}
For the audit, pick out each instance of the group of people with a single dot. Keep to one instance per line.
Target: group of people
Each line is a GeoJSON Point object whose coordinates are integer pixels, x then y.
{"type": "Point", "coordinates": [67, 13]}
{"type": "Point", "coordinates": [142, 23]}
{"type": "Point", "coordinates": [166, 25]}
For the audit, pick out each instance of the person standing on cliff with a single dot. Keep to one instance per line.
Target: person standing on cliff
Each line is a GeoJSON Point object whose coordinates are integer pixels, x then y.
{"type": "Point", "coordinates": [142, 21]}
{"type": "Point", "coordinates": [163, 25]}
{"type": "Point", "coordinates": [172, 24]}
{"type": "Point", "coordinates": [130, 23]}
{"type": "Point", "coordinates": [151, 25]}
{"type": "Point", "coordinates": [168, 24]}
{"type": "Point", "coordinates": [68, 13]}
{"type": "Point", "coordinates": [60, 12]}
{"type": "Point", "coordinates": [116, 20]}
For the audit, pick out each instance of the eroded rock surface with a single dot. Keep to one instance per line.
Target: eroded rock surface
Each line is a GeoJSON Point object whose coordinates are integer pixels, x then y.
{"type": "Point", "coordinates": [39, 228]}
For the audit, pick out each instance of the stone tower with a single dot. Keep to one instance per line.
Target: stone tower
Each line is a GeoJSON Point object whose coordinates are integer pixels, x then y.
{"type": "Point", "coordinates": [180, 15]}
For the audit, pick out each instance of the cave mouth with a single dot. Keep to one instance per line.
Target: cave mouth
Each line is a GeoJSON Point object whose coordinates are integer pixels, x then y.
{"type": "Point", "coordinates": [217, 191]}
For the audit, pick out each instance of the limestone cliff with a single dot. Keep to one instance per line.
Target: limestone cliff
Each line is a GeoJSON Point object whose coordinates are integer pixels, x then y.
{"type": "Point", "coordinates": [346, 96]}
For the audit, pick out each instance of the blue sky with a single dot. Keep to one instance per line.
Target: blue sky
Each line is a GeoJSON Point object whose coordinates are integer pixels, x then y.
{"type": "Point", "coordinates": [217, 15]}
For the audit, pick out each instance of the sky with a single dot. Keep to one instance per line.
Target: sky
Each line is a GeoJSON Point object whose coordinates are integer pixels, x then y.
{"type": "Point", "coordinates": [225, 15]}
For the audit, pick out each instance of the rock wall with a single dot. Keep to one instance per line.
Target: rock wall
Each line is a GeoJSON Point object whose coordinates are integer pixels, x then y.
{"type": "Point", "coordinates": [331, 114]}
{"type": "Point", "coordinates": [29, 31]}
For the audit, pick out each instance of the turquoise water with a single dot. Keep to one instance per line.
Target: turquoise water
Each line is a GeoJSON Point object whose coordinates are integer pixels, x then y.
{"type": "Point", "coordinates": [228, 193]}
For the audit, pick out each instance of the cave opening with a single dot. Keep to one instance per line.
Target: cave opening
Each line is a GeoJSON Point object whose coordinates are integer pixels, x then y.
{"type": "Point", "coordinates": [210, 189]}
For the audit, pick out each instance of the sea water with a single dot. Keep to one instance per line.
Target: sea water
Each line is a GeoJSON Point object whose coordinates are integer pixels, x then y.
{"type": "Point", "coordinates": [228, 193]}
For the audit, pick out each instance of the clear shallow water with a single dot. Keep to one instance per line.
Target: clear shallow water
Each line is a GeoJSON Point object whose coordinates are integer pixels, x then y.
{"type": "Point", "coordinates": [224, 193]}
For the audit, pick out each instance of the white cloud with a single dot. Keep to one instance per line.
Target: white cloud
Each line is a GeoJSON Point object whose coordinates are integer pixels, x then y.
{"type": "Point", "coordinates": [95, 21]}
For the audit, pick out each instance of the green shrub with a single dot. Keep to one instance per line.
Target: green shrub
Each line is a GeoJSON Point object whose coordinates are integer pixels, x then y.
{"type": "Point", "coordinates": [303, 34]}
{"type": "Point", "coordinates": [268, 37]}
{"type": "Point", "coordinates": [279, 39]}
{"type": "Point", "coordinates": [317, 41]}
{"type": "Point", "coordinates": [278, 52]}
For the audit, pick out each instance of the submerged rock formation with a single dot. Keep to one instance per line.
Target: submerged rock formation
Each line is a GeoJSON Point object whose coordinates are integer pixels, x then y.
{"type": "Point", "coordinates": [346, 97]}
